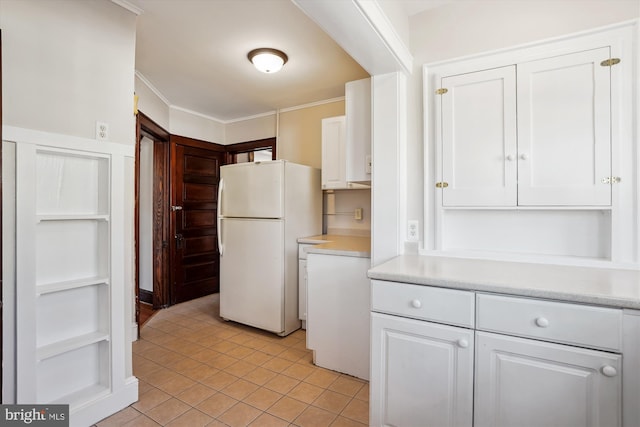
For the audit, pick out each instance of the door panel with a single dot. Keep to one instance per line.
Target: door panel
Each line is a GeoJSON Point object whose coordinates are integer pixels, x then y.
{"type": "Point", "coordinates": [195, 260]}
{"type": "Point", "coordinates": [253, 190]}
{"type": "Point", "coordinates": [422, 373]}
{"type": "Point", "coordinates": [564, 132]}
{"type": "Point", "coordinates": [528, 383]}
{"type": "Point", "coordinates": [251, 272]}
{"type": "Point", "coordinates": [479, 138]}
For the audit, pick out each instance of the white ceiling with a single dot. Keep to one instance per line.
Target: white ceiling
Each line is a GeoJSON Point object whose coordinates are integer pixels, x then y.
{"type": "Point", "coordinates": [194, 53]}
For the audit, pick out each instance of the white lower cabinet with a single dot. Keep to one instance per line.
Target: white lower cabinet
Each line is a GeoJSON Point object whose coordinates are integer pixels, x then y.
{"type": "Point", "coordinates": [529, 383]}
{"type": "Point", "coordinates": [422, 373]}
{"type": "Point", "coordinates": [520, 361]}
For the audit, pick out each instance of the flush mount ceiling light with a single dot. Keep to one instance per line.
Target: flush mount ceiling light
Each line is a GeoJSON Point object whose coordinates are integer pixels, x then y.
{"type": "Point", "coordinates": [267, 60]}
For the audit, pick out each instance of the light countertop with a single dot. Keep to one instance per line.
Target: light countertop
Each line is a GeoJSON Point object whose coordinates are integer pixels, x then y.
{"type": "Point", "coordinates": [334, 244]}
{"type": "Point", "coordinates": [611, 287]}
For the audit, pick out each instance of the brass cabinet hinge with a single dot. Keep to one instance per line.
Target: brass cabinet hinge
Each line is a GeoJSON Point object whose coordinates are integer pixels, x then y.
{"type": "Point", "coordinates": [442, 91]}
{"type": "Point", "coordinates": [442, 184]}
{"type": "Point", "coordinates": [610, 62]}
{"type": "Point", "coordinates": [611, 180]}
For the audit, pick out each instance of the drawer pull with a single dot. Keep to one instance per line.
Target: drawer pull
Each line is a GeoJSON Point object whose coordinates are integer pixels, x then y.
{"type": "Point", "coordinates": [542, 322]}
{"type": "Point", "coordinates": [462, 343]}
{"type": "Point", "coordinates": [609, 371]}
{"type": "Point", "coordinates": [416, 303]}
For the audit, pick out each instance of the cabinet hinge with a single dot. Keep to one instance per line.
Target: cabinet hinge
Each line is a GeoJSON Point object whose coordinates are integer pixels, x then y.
{"type": "Point", "coordinates": [610, 62]}
{"type": "Point", "coordinates": [442, 91]}
{"type": "Point", "coordinates": [442, 184]}
{"type": "Point", "coordinates": [611, 180]}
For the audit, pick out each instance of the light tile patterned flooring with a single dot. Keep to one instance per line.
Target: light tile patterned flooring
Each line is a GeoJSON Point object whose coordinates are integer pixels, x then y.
{"type": "Point", "coordinates": [197, 370]}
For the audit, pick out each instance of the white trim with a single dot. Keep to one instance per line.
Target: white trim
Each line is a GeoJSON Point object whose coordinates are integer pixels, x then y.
{"type": "Point", "coordinates": [240, 119]}
{"type": "Point", "coordinates": [387, 33]}
{"type": "Point", "coordinates": [152, 88]}
{"type": "Point", "coordinates": [255, 116]}
{"type": "Point", "coordinates": [594, 32]}
{"type": "Point", "coordinates": [312, 104]}
{"type": "Point", "coordinates": [195, 113]}
{"type": "Point", "coordinates": [129, 6]}
{"type": "Point", "coordinates": [30, 136]}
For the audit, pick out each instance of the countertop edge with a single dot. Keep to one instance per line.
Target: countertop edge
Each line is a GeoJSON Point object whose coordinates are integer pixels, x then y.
{"type": "Point", "coordinates": [482, 285]}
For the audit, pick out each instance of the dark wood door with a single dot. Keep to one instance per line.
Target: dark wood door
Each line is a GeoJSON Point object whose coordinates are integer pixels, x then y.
{"type": "Point", "coordinates": [195, 257]}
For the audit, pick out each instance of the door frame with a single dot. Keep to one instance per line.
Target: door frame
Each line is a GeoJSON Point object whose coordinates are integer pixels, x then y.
{"type": "Point", "coordinates": [1, 284]}
{"type": "Point", "coordinates": [147, 127]}
{"type": "Point", "coordinates": [232, 150]}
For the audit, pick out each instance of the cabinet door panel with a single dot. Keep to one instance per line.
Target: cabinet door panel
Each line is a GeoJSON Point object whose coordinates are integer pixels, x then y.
{"type": "Point", "coordinates": [422, 373]}
{"type": "Point", "coordinates": [528, 383]}
{"type": "Point", "coordinates": [564, 145]}
{"type": "Point", "coordinates": [334, 169]}
{"type": "Point", "coordinates": [479, 138]}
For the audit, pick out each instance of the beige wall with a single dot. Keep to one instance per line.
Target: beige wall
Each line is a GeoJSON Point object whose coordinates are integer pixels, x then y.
{"type": "Point", "coordinates": [251, 129]}
{"type": "Point", "coordinates": [66, 65]}
{"type": "Point", "coordinates": [300, 133]}
{"type": "Point", "coordinates": [467, 28]}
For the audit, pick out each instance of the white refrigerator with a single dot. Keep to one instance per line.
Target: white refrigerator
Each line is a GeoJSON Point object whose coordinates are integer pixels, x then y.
{"type": "Point", "coordinates": [263, 208]}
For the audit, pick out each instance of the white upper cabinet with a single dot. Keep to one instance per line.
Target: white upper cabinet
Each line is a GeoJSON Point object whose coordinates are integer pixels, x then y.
{"type": "Point", "coordinates": [564, 130]}
{"type": "Point", "coordinates": [346, 141]}
{"type": "Point", "coordinates": [530, 134]}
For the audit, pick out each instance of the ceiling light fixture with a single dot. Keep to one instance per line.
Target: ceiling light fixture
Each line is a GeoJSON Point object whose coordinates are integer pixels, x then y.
{"type": "Point", "coordinates": [267, 60]}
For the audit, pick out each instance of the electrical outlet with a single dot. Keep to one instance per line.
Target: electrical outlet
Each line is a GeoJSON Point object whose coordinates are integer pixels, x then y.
{"type": "Point", "coordinates": [412, 231]}
{"type": "Point", "coordinates": [102, 131]}
{"type": "Point", "coordinates": [357, 214]}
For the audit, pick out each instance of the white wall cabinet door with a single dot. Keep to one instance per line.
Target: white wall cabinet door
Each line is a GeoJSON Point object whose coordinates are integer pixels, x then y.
{"type": "Point", "coordinates": [479, 138]}
{"type": "Point", "coordinates": [564, 130]}
{"type": "Point", "coordinates": [358, 130]}
{"type": "Point", "coordinates": [334, 164]}
{"type": "Point", "coordinates": [528, 383]}
{"type": "Point", "coordinates": [422, 373]}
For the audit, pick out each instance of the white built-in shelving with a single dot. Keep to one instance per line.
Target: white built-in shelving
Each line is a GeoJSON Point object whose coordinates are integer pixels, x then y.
{"type": "Point", "coordinates": [71, 297]}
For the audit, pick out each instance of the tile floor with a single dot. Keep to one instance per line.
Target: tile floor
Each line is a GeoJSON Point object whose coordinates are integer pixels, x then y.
{"type": "Point", "coordinates": [197, 370]}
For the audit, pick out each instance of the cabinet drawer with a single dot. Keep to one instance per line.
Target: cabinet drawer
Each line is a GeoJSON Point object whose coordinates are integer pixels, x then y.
{"type": "Point", "coordinates": [423, 302]}
{"type": "Point", "coordinates": [583, 325]}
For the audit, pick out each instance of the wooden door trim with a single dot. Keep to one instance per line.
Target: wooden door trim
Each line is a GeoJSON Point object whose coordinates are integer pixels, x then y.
{"type": "Point", "coordinates": [147, 127]}
{"type": "Point", "coordinates": [1, 283]}
{"type": "Point", "coordinates": [232, 150]}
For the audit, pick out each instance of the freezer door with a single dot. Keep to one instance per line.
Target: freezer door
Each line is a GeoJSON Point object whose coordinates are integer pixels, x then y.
{"type": "Point", "coordinates": [252, 190]}
{"type": "Point", "coordinates": [252, 273]}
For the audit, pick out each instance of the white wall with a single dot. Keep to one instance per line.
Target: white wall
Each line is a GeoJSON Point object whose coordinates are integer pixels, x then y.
{"type": "Point", "coordinates": [193, 125]}
{"type": "Point", "coordinates": [66, 65]}
{"type": "Point", "coordinates": [467, 28]}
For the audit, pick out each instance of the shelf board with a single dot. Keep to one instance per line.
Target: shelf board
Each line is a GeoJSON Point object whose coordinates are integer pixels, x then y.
{"type": "Point", "coordinates": [70, 284]}
{"type": "Point", "coordinates": [83, 396]}
{"type": "Point", "coordinates": [76, 217]}
{"type": "Point", "coordinates": [60, 347]}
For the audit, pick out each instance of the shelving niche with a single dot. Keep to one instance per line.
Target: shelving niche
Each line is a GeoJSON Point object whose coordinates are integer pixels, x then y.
{"type": "Point", "coordinates": [70, 275]}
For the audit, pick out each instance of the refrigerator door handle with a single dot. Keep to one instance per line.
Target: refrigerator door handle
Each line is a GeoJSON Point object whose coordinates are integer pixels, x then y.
{"type": "Point", "coordinates": [219, 226]}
